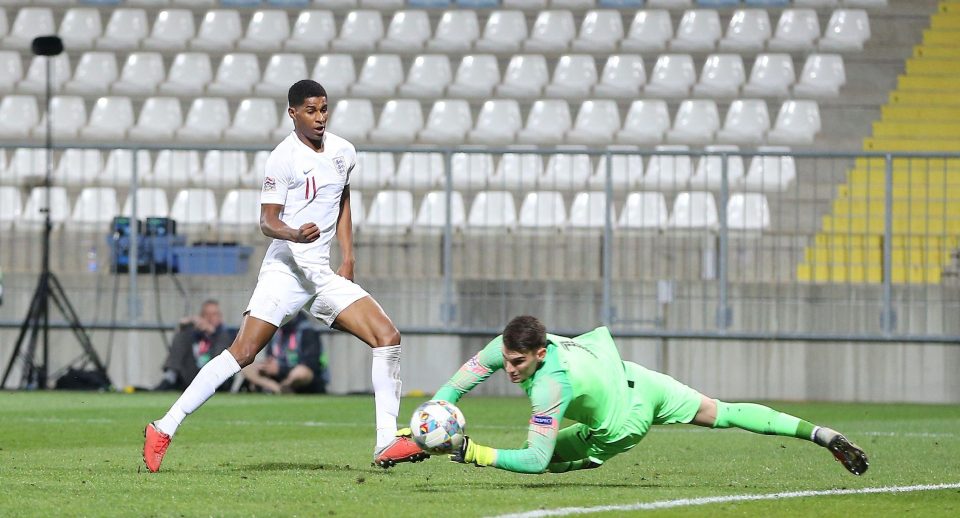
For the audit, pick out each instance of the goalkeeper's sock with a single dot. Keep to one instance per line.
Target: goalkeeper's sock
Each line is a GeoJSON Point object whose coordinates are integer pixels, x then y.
{"type": "Point", "coordinates": [761, 419]}
{"type": "Point", "coordinates": [385, 372]}
{"type": "Point", "coordinates": [211, 376]}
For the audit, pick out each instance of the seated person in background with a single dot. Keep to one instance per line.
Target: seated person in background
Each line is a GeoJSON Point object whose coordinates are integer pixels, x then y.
{"type": "Point", "coordinates": [199, 338]}
{"type": "Point", "coordinates": [293, 362]}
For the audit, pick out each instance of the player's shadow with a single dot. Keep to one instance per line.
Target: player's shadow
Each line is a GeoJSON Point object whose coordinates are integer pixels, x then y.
{"type": "Point", "coordinates": [441, 488]}
{"type": "Point", "coordinates": [306, 466]}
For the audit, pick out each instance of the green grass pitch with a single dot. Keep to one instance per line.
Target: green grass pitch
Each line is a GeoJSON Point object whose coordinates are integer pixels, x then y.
{"type": "Point", "coordinates": [79, 454]}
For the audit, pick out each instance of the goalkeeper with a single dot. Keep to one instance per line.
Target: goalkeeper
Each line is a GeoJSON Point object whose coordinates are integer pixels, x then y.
{"type": "Point", "coordinates": [613, 402]}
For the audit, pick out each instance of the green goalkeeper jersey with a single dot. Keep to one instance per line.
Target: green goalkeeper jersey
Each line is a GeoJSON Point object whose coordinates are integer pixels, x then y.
{"type": "Point", "coordinates": [581, 378]}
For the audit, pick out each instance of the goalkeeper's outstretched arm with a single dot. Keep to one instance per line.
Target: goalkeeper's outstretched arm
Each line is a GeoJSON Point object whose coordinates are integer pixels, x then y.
{"type": "Point", "coordinates": [474, 372]}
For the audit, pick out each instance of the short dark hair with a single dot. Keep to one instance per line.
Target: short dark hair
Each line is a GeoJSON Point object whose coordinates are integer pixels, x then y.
{"type": "Point", "coordinates": [210, 302]}
{"type": "Point", "coordinates": [303, 90]}
{"type": "Point", "coordinates": [524, 334]}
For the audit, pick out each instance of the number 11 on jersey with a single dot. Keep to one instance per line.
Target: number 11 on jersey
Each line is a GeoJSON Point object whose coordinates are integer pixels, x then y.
{"type": "Point", "coordinates": [311, 185]}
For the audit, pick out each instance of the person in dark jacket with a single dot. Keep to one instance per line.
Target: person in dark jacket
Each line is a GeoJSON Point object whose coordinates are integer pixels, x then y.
{"type": "Point", "coordinates": [198, 339]}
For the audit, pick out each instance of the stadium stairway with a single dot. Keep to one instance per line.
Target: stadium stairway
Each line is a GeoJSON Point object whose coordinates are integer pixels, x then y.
{"type": "Point", "coordinates": [920, 116]}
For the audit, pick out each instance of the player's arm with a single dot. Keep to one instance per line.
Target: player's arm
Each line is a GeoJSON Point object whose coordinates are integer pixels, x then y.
{"type": "Point", "coordinates": [345, 235]}
{"type": "Point", "coordinates": [272, 226]}
{"type": "Point", "coordinates": [474, 372]}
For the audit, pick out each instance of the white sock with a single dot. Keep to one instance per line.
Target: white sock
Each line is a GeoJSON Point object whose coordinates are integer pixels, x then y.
{"type": "Point", "coordinates": [385, 372]}
{"type": "Point", "coordinates": [211, 376]}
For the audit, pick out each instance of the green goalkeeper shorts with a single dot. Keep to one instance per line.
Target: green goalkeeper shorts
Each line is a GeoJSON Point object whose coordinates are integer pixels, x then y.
{"type": "Point", "coordinates": [657, 399]}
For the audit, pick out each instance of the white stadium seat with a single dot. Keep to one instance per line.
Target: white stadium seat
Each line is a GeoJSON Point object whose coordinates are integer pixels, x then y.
{"type": "Point", "coordinates": [643, 211]}
{"type": "Point", "coordinates": [552, 32]}
{"type": "Point", "coordinates": [749, 30]}
{"type": "Point", "coordinates": [194, 210]}
{"type": "Point", "coordinates": [747, 122]}
{"type": "Point", "coordinates": [433, 211]}
{"type": "Point", "coordinates": [282, 71]}
{"type": "Point", "coordinates": [672, 76]}
{"type": "Point", "coordinates": [110, 119]}
{"type": "Point", "coordinates": [518, 171]}
{"type": "Point", "coordinates": [626, 170]}
{"type": "Point", "coordinates": [492, 210]}
{"type": "Point", "coordinates": [160, 118]}
{"type": "Point", "coordinates": [708, 174]}
{"type": "Point", "coordinates": [796, 30]}
{"type": "Point", "coordinates": [822, 76]}
{"type": "Point", "coordinates": [694, 210]}
{"type": "Point", "coordinates": [525, 77]}
{"type": "Point", "coordinates": [847, 30]}
{"type": "Point", "coordinates": [698, 31]}
{"type": "Point", "coordinates": [254, 176]}
{"type": "Point", "coordinates": [125, 29]}
{"type": "Point", "coordinates": [78, 167]}
{"type": "Point", "coordinates": [646, 123]}
{"type": "Point", "coordinates": [456, 31]}
{"type": "Point", "coordinates": [573, 77]}
{"type": "Point", "coordinates": [71, 117]}
{"type": "Point", "coordinates": [391, 210]}
{"type": "Point", "coordinates": [770, 173]}
{"type": "Point", "coordinates": [11, 206]}
{"type": "Point", "coordinates": [35, 81]}
{"type": "Point", "coordinates": [797, 123]}
{"type": "Point", "coordinates": [448, 123]}
{"type": "Point", "coordinates": [241, 209]}
{"type": "Point", "coordinates": [503, 32]}
{"type": "Point", "coordinates": [596, 123]}
{"type": "Point", "coordinates": [376, 170]}
{"type": "Point", "coordinates": [313, 31]}
{"type": "Point", "coordinates": [588, 210]}
{"type": "Point", "coordinates": [266, 31]}
{"type": "Point", "coordinates": [18, 114]}
{"type": "Point", "coordinates": [95, 209]}
{"type": "Point", "coordinates": [172, 30]}
{"type": "Point", "coordinates": [771, 76]}
{"type": "Point", "coordinates": [623, 77]}
{"type": "Point", "coordinates": [352, 119]}
{"type": "Point", "coordinates": [476, 77]}
{"type": "Point", "coordinates": [219, 31]}
{"type": "Point", "coordinates": [399, 122]}
{"type": "Point", "coordinates": [419, 171]}
{"type": "Point", "coordinates": [722, 76]}
{"type": "Point", "coordinates": [253, 122]}
{"type": "Point", "coordinates": [80, 28]}
{"type": "Point", "coordinates": [206, 120]}
{"type": "Point", "coordinates": [380, 76]}
{"type": "Point", "coordinates": [428, 77]}
{"type": "Point", "coordinates": [497, 124]}
{"type": "Point", "coordinates": [141, 74]}
{"type": "Point", "coordinates": [11, 70]}
{"type": "Point", "coordinates": [336, 73]}
{"type": "Point", "coordinates": [600, 31]}
{"type": "Point", "coordinates": [35, 211]}
{"type": "Point", "coordinates": [542, 210]}
{"type": "Point", "coordinates": [668, 172]}
{"type": "Point", "coordinates": [566, 172]}
{"type": "Point", "coordinates": [408, 32]}
{"type": "Point", "coordinates": [695, 123]}
{"type": "Point", "coordinates": [748, 212]}
{"type": "Point", "coordinates": [222, 169]}
{"type": "Point", "coordinates": [27, 165]}
{"type": "Point", "coordinates": [360, 32]}
{"type": "Point", "coordinates": [120, 166]}
{"type": "Point", "coordinates": [189, 75]}
{"type": "Point", "coordinates": [236, 75]}
{"type": "Point", "coordinates": [176, 168]}
{"type": "Point", "coordinates": [546, 124]}
{"type": "Point", "coordinates": [649, 32]}
{"type": "Point", "coordinates": [151, 202]}
{"type": "Point", "coordinates": [95, 72]}
{"type": "Point", "coordinates": [29, 23]}
{"type": "Point", "coordinates": [471, 171]}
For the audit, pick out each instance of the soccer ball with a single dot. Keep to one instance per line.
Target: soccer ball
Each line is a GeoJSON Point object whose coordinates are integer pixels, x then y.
{"type": "Point", "coordinates": [438, 427]}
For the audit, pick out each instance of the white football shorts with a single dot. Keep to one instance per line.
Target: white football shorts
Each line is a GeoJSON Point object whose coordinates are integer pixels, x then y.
{"type": "Point", "coordinates": [279, 295]}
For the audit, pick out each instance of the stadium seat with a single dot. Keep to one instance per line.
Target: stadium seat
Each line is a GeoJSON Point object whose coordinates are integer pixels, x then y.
{"type": "Point", "coordinates": [747, 122]}
{"type": "Point", "coordinates": [546, 124]}
{"type": "Point", "coordinates": [175, 168]}
{"type": "Point", "coordinates": [382, 5]}
{"type": "Point", "coordinates": [771, 76]}
{"type": "Point", "coordinates": [236, 75]}
{"type": "Point", "coordinates": [282, 71]}
{"type": "Point", "coordinates": [822, 76]}
{"type": "Point", "coordinates": [672, 76]}
{"type": "Point", "coordinates": [241, 210]}
{"type": "Point", "coordinates": [189, 75]}
{"type": "Point", "coordinates": [847, 30]}
{"type": "Point", "coordinates": [35, 81]}
{"type": "Point", "coordinates": [566, 172]}
{"type": "Point", "coordinates": [573, 77]}
{"type": "Point", "coordinates": [573, 5]}
{"type": "Point", "coordinates": [11, 70]}
{"type": "Point", "coordinates": [797, 123]}
{"type": "Point", "coordinates": [358, 216]}
{"type": "Point", "coordinates": [171, 31]}
{"type": "Point", "coordinates": [380, 76]}
{"type": "Point", "coordinates": [696, 122]}
{"type": "Point", "coordinates": [588, 210]}
{"type": "Point", "coordinates": [194, 210]}
{"type": "Point", "coordinates": [253, 121]}
{"type": "Point", "coordinates": [399, 122]}
{"type": "Point", "coordinates": [649, 32]}
{"type": "Point", "coordinates": [35, 211]}
{"type": "Point", "coordinates": [694, 210]}
{"type": "Point", "coordinates": [722, 76]}
{"type": "Point", "coordinates": [94, 209]}
{"type": "Point", "coordinates": [596, 123]}
{"type": "Point", "coordinates": [219, 31]}
{"type": "Point", "coordinates": [11, 206]}
{"type": "Point", "coordinates": [151, 202]}
{"type": "Point", "coordinates": [254, 176]}
{"type": "Point", "coordinates": [18, 114]}
{"type": "Point", "coordinates": [120, 166]}
{"type": "Point", "coordinates": [471, 171]}
{"type": "Point", "coordinates": [160, 118]}
{"type": "Point", "coordinates": [376, 170]}
{"type": "Point", "coordinates": [497, 124]}
{"type": "Point", "coordinates": [626, 170]}
{"type": "Point", "coordinates": [125, 29]}
{"type": "Point", "coordinates": [448, 123]}
{"type": "Point", "coordinates": [95, 72]}
{"type": "Point", "coordinates": [27, 166]}
{"type": "Point", "coordinates": [433, 211]}
{"type": "Point", "coordinates": [71, 116]}
{"type": "Point", "coordinates": [352, 119]}
{"type": "Point", "coordinates": [80, 28]}
{"type": "Point", "coordinates": [698, 31]}
{"type": "Point", "coordinates": [206, 120]}
{"type": "Point", "coordinates": [668, 172]}
{"type": "Point", "coordinates": [313, 31]}
{"type": "Point", "coordinates": [748, 212]}
{"type": "Point", "coordinates": [456, 32]}
{"type": "Point", "coordinates": [360, 32]}
{"type": "Point", "coordinates": [29, 23]}
{"type": "Point", "coordinates": [266, 32]}
{"type": "Point", "coordinates": [476, 77]}
{"type": "Point", "coordinates": [141, 74]}
{"type": "Point", "coordinates": [748, 30]}
{"type": "Point", "coordinates": [543, 210]}
{"type": "Point", "coordinates": [110, 119]}
{"type": "Point", "coordinates": [622, 78]}
{"type": "Point", "coordinates": [646, 123]}
{"type": "Point", "coordinates": [492, 210]}
{"type": "Point", "coordinates": [770, 173]}
{"type": "Point", "coordinates": [78, 167]}
{"type": "Point", "coordinates": [503, 33]}
{"type": "Point", "coordinates": [708, 174]}
{"type": "Point", "coordinates": [335, 72]}
{"type": "Point", "coordinates": [408, 32]}
{"type": "Point", "coordinates": [552, 32]}
{"type": "Point", "coordinates": [419, 171]}
{"type": "Point", "coordinates": [525, 5]}
{"type": "Point", "coordinates": [643, 211]}
{"type": "Point", "coordinates": [600, 31]}
{"type": "Point", "coordinates": [796, 30]}
{"type": "Point", "coordinates": [222, 169]}
{"type": "Point", "coordinates": [525, 77]}
{"type": "Point", "coordinates": [390, 211]}
{"type": "Point", "coordinates": [428, 77]}
{"type": "Point", "coordinates": [518, 171]}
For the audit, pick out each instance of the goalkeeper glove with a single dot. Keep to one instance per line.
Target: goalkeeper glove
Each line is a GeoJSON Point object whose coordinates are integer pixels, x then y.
{"type": "Point", "coordinates": [471, 452]}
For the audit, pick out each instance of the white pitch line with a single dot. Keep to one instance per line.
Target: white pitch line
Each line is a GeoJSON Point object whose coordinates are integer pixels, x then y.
{"type": "Point", "coordinates": [686, 502]}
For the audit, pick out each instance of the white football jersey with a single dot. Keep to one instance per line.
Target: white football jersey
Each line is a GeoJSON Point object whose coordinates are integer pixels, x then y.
{"type": "Point", "coordinates": [309, 186]}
